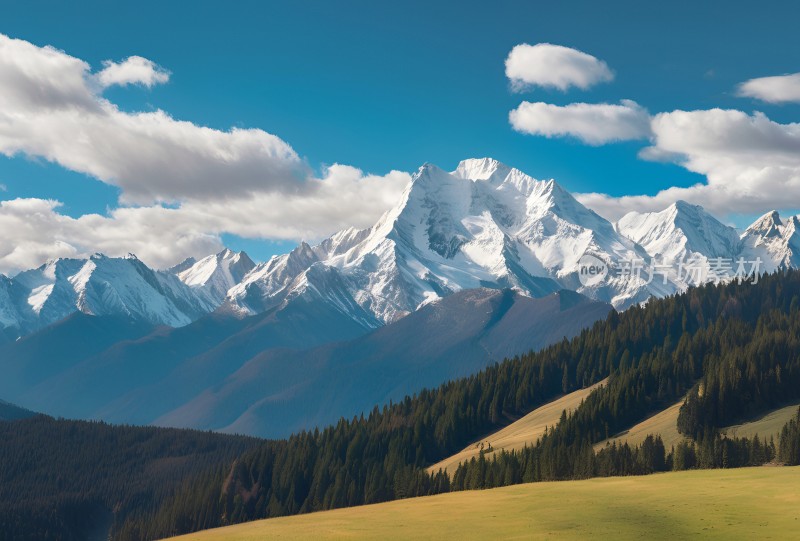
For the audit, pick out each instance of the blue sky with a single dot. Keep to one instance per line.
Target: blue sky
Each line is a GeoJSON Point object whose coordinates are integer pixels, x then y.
{"type": "Point", "coordinates": [389, 86]}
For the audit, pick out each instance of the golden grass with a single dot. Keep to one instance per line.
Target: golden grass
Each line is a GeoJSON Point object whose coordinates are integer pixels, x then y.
{"type": "Point", "coordinates": [766, 425]}
{"type": "Point", "coordinates": [663, 423]}
{"type": "Point", "coordinates": [743, 504]}
{"type": "Point", "coordinates": [516, 435]}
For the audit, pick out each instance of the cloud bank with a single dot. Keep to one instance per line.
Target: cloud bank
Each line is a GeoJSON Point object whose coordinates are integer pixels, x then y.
{"type": "Point", "coordinates": [189, 183]}
{"type": "Point", "coordinates": [751, 163]}
{"type": "Point", "coordinates": [162, 236]}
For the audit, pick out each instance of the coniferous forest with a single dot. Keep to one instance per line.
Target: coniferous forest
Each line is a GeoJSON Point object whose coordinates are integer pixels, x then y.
{"type": "Point", "coordinates": [77, 480]}
{"type": "Point", "coordinates": [732, 349]}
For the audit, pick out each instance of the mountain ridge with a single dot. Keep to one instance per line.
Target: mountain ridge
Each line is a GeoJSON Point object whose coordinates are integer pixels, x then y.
{"type": "Point", "coordinates": [484, 224]}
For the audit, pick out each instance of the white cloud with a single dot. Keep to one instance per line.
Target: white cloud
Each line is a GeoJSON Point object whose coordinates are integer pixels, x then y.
{"type": "Point", "coordinates": [162, 236]}
{"type": "Point", "coordinates": [40, 233]}
{"type": "Point", "coordinates": [777, 89]}
{"type": "Point", "coordinates": [751, 163]}
{"type": "Point", "coordinates": [133, 70]}
{"type": "Point", "coordinates": [49, 109]}
{"type": "Point", "coordinates": [554, 66]}
{"type": "Point", "coordinates": [594, 124]}
{"type": "Point", "coordinates": [192, 183]}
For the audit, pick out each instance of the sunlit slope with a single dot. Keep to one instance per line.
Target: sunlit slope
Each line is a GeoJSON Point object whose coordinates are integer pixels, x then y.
{"type": "Point", "coordinates": [663, 423]}
{"type": "Point", "coordinates": [766, 425]}
{"type": "Point", "coordinates": [524, 431]}
{"type": "Point", "coordinates": [748, 503]}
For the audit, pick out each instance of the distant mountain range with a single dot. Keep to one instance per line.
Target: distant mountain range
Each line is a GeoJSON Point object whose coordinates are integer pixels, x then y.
{"type": "Point", "coordinates": [101, 286]}
{"type": "Point", "coordinates": [483, 225]}
{"type": "Point", "coordinates": [482, 258]}
{"type": "Point", "coordinates": [278, 372]}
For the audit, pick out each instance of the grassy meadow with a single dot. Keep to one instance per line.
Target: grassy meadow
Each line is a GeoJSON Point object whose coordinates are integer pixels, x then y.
{"type": "Point", "coordinates": [746, 504]}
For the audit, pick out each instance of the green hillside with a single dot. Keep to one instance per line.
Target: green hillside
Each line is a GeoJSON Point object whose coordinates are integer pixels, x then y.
{"type": "Point", "coordinates": [746, 503]}
{"type": "Point", "coordinates": [767, 424]}
{"type": "Point", "coordinates": [520, 433]}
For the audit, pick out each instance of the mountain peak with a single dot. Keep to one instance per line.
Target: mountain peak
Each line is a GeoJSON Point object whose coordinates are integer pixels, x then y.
{"type": "Point", "coordinates": [427, 175]}
{"type": "Point", "coordinates": [681, 230]}
{"type": "Point", "coordinates": [682, 206]}
{"type": "Point", "coordinates": [768, 225]}
{"type": "Point", "coordinates": [215, 274]}
{"type": "Point", "coordinates": [244, 259]}
{"type": "Point", "coordinates": [235, 257]}
{"type": "Point", "coordinates": [303, 254]}
{"type": "Point", "coordinates": [481, 169]}
{"type": "Point", "coordinates": [182, 266]}
{"type": "Point", "coordinates": [555, 189]}
{"type": "Point", "coordinates": [776, 242]}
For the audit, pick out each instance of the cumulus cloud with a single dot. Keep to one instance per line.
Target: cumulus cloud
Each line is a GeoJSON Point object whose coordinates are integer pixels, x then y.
{"type": "Point", "coordinates": [592, 123]}
{"type": "Point", "coordinates": [751, 163]}
{"type": "Point", "coordinates": [777, 89]}
{"type": "Point", "coordinates": [49, 109]}
{"type": "Point", "coordinates": [554, 66]}
{"type": "Point", "coordinates": [190, 183]}
{"type": "Point", "coordinates": [133, 70]}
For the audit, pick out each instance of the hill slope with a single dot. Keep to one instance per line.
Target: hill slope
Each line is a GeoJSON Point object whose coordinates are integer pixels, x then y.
{"type": "Point", "coordinates": [765, 425]}
{"type": "Point", "coordinates": [76, 480]}
{"type": "Point", "coordinates": [35, 358]}
{"type": "Point", "coordinates": [279, 371]}
{"type": "Point", "coordinates": [663, 423]}
{"type": "Point", "coordinates": [748, 503]}
{"type": "Point", "coordinates": [282, 390]}
{"type": "Point", "coordinates": [136, 380]}
{"type": "Point", "coordinates": [520, 433]}
{"type": "Point", "coordinates": [10, 412]}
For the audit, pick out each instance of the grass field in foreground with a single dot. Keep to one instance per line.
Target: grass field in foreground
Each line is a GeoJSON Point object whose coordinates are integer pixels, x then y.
{"type": "Point", "coordinates": [747, 503]}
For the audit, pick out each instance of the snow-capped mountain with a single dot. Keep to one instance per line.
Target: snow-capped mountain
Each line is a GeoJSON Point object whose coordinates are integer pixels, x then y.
{"type": "Point", "coordinates": [98, 285]}
{"type": "Point", "coordinates": [483, 225]}
{"type": "Point", "coordinates": [682, 233]}
{"type": "Point", "coordinates": [213, 276]}
{"type": "Point", "coordinates": [775, 241]}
